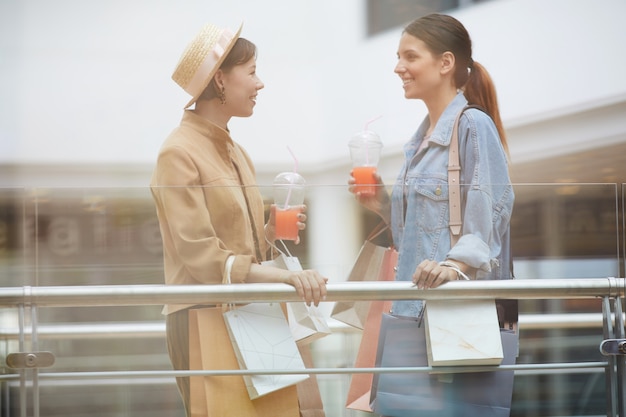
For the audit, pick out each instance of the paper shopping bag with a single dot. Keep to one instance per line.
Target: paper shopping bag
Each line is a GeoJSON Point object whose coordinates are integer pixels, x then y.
{"type": "Point", "coordinates": [307, 323]}
{"type": "Point", "coordinates": [289, 263]}
{"type": "Point", "coordinates": [262, 340]}
{"type": "Point", "coordinates": [309, 396]}
{"type": "Point", "coordinates": [402, 343]}
{"type": "Point", "coordinates": [462, 332]}
{"type": "Point", "coordinates": [374, 263]}
{"type": "Point", "coordinates": [359, 391]}
{"type": "Point", "coordinates": [212, 396]}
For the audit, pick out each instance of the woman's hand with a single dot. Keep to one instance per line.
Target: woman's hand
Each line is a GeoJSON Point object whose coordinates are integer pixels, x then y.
{"type": "Point", "coordinates": [429, 274]}
{"type": "Point", "coordinates": [309, 284]}
{"type": "Point", "coordinates": [379, 203]}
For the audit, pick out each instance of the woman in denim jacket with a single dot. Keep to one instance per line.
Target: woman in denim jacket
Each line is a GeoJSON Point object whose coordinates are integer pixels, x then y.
{"type": "Point", "coordinates": [435, 64]}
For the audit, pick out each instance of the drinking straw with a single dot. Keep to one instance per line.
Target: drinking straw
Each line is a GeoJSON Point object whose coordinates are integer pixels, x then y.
{"type": "Point", "coordinates": [295, 160]}
{"type": "Point", "coordinates": [295, 170]}
{"type": "Point", "coordinates": [370, 121]}
{"type": "Point", "coordinates": [367, 145]}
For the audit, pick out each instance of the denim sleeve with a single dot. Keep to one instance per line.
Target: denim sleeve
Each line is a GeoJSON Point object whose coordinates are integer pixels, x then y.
{"type": "Point", "coordinates": [487, 193]}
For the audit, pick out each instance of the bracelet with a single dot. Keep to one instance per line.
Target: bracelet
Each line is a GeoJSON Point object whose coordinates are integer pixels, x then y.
{"type": "Point", "coordinates": [459, 274]}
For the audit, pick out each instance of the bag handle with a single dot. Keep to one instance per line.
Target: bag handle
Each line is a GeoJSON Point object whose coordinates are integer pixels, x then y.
{"type": "Point", "coordinates": [376, 231]}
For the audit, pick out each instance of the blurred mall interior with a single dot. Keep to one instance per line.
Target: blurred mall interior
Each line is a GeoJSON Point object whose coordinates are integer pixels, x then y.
{"type": "Point", "coordinates": [87, 100]}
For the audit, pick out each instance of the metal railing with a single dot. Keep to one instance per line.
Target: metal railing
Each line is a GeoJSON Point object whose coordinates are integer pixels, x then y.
{"type": "Point", "coordinates": [608, 289]}
{"type": "Point", "coordinates": [126, 295]}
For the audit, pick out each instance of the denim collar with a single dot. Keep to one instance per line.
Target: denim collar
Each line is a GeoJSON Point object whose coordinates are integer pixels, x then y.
{"type": "Point", "coordinates": [442, 133]}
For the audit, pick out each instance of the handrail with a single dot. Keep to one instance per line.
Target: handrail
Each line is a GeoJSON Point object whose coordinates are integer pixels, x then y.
{"type": "Point", "coordinates": [127, 295]}
{"type": "Point", "coordinates": [134, 295]}
{"type": "Point", "coordinates": [156, 329]}
{"type": "Point", "coordinates": [317, 371]}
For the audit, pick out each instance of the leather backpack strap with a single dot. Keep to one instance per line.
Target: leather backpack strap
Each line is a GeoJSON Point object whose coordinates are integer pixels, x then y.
{"type": "Point", "coordinates": [454, 188]}
{"type": "Point", "coordinates": [454, 178]}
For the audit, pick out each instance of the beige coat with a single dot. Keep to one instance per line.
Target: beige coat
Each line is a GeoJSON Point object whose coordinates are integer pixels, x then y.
{"type": "Point", "coordinates": [208, 205]}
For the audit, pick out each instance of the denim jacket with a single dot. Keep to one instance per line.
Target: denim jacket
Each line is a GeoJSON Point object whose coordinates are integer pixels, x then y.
{"type": "Point", "coordinates": [420, 207]}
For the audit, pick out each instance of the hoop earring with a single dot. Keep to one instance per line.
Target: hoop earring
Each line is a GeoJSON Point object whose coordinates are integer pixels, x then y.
{"type": "Point", "coordinates": [222, 95]}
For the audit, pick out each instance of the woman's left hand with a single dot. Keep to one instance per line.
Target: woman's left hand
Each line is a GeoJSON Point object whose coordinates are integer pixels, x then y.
{"type": "Point", "coordinates": [429, 274]}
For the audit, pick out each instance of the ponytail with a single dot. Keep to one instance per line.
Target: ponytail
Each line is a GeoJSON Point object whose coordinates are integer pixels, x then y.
{"type": "Point", "coordinates": [480, 90]}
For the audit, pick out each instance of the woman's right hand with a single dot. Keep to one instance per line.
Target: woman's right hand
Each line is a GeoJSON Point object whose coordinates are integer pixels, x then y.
{"type": "Point", "coordinates": [309, 284]}
{"type": "Point", "coordinates": [379, 203]}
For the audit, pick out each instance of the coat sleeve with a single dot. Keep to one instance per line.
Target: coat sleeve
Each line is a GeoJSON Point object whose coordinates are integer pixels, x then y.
{"type": "Point", "coordinates": [186, 222]}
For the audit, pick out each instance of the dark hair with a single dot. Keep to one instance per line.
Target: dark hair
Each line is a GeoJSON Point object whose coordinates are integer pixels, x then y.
{"type": "Point", "coordinates": [443, 33]}
{"type": "Point", "coordinates": [242, 51]}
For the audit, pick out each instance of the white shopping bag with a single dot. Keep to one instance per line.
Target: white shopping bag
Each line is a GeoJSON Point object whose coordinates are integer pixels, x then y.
{"type": "Point", "coordinates": [262, 340]}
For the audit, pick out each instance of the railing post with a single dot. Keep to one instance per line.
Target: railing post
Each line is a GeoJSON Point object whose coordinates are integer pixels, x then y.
{"type": "Point", "coordinates": [22, 343]}
{"type": "Point", "coordinates": [614, 372]}
{"type": "Point", "coordinates": [621, 366]}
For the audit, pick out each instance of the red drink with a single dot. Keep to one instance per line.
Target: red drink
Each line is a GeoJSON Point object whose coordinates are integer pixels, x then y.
{"type": "Point", "coordinates": [365, 181]}
{"type": "Point", "coordinates": [287, 223]}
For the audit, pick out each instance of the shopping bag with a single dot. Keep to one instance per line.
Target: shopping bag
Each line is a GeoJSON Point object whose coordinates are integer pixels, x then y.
{"type": "Point", "coordinates": [402, 343]}
{"type": "Point", "coordinates": [462, 332]}
{"type": "Point", "coordinates": [309, 396]}
{"type": "Point", "coordinates": [262, 340]}
{"type": "Point", "coordinates": [373, 263]}
{"type": "Point", "coordinates": [359, 391]}
{"type": "Point", "coordinates": [307, 323]}
{"type": "Point", "coordinates": [306, 326]}
{"type": "Point", "coordinates": [210, 349]}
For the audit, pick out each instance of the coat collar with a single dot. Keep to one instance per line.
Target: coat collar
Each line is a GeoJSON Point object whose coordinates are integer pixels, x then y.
{"type": "Point", "coordinates": [207, 128]}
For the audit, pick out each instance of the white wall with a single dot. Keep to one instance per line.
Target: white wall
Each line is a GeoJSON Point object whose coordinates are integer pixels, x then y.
{"type": "Point", "coordinates": [89, 82]}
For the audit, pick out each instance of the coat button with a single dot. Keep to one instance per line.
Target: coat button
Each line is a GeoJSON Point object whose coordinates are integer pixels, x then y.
{"type": "Point", "coordinates": [438, 191]}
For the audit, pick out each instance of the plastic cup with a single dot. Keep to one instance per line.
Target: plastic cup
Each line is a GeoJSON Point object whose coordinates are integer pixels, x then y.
{"type": "Point", "coordinates": [287, 223]}
{"type": "Point", "coordinates": [364, 177]}
{"type": "Point", "coordinates": [365, 149]}
{"type": "Point", "coordinates": [288, 197]}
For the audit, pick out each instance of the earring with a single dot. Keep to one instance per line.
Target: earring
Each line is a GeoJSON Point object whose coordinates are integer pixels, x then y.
{"type": "Point", "coordinates": [222, 95]}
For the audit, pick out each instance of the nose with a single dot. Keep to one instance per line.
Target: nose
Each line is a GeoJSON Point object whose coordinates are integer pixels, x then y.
{"type": "Point", "coordinates": [399, 69]}
{"type": "Point", "coordinates": [259, 84]}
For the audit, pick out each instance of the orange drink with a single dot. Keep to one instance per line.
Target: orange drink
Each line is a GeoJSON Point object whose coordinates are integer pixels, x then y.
{"type": "Point", "coordinates": [287, 223]}
{"type": "Point", "coordinates": [365, 181]}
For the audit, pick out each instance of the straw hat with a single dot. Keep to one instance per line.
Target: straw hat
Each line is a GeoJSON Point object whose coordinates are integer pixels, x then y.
{"type": "Point", "coordinates": [202, 58]}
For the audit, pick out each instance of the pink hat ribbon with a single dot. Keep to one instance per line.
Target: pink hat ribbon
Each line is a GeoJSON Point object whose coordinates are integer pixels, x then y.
{"type": "Point", "coordinates": [198, 82]}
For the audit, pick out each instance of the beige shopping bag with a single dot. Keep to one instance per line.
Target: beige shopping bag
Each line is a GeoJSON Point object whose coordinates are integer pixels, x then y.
{"type": "Point", "coordinates": [462, 332]}
{"type": "Point", "coordinates": [374, 263]}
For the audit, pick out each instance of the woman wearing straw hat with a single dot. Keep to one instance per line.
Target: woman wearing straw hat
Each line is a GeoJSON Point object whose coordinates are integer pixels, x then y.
{"type": "Point", "coordinates": [212, 221]}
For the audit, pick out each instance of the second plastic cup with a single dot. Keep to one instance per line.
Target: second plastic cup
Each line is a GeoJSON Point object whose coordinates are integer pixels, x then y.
{"type": "Point", "coordinates": [365, 149]}
{"type": "Point", "coordinates": [288, 197]}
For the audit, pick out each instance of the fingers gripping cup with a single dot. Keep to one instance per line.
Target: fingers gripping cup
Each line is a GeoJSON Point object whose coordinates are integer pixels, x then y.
{"type": "Point", "coordinates": [288, 197]}
{"type": "Point", "coordinates": [365, 149]}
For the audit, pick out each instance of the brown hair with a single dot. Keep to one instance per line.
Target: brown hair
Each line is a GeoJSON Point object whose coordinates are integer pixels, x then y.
{"type": "Point", "coordinates": [443, 33]}
{"type": "Point", "coordinates": [243, 50]}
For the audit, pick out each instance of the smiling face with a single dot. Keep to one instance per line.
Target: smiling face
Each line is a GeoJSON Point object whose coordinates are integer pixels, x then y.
{"type": "Point", "coordinates": [418, 68]}
{"type": "Point", "coordinates": [241, 85]}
